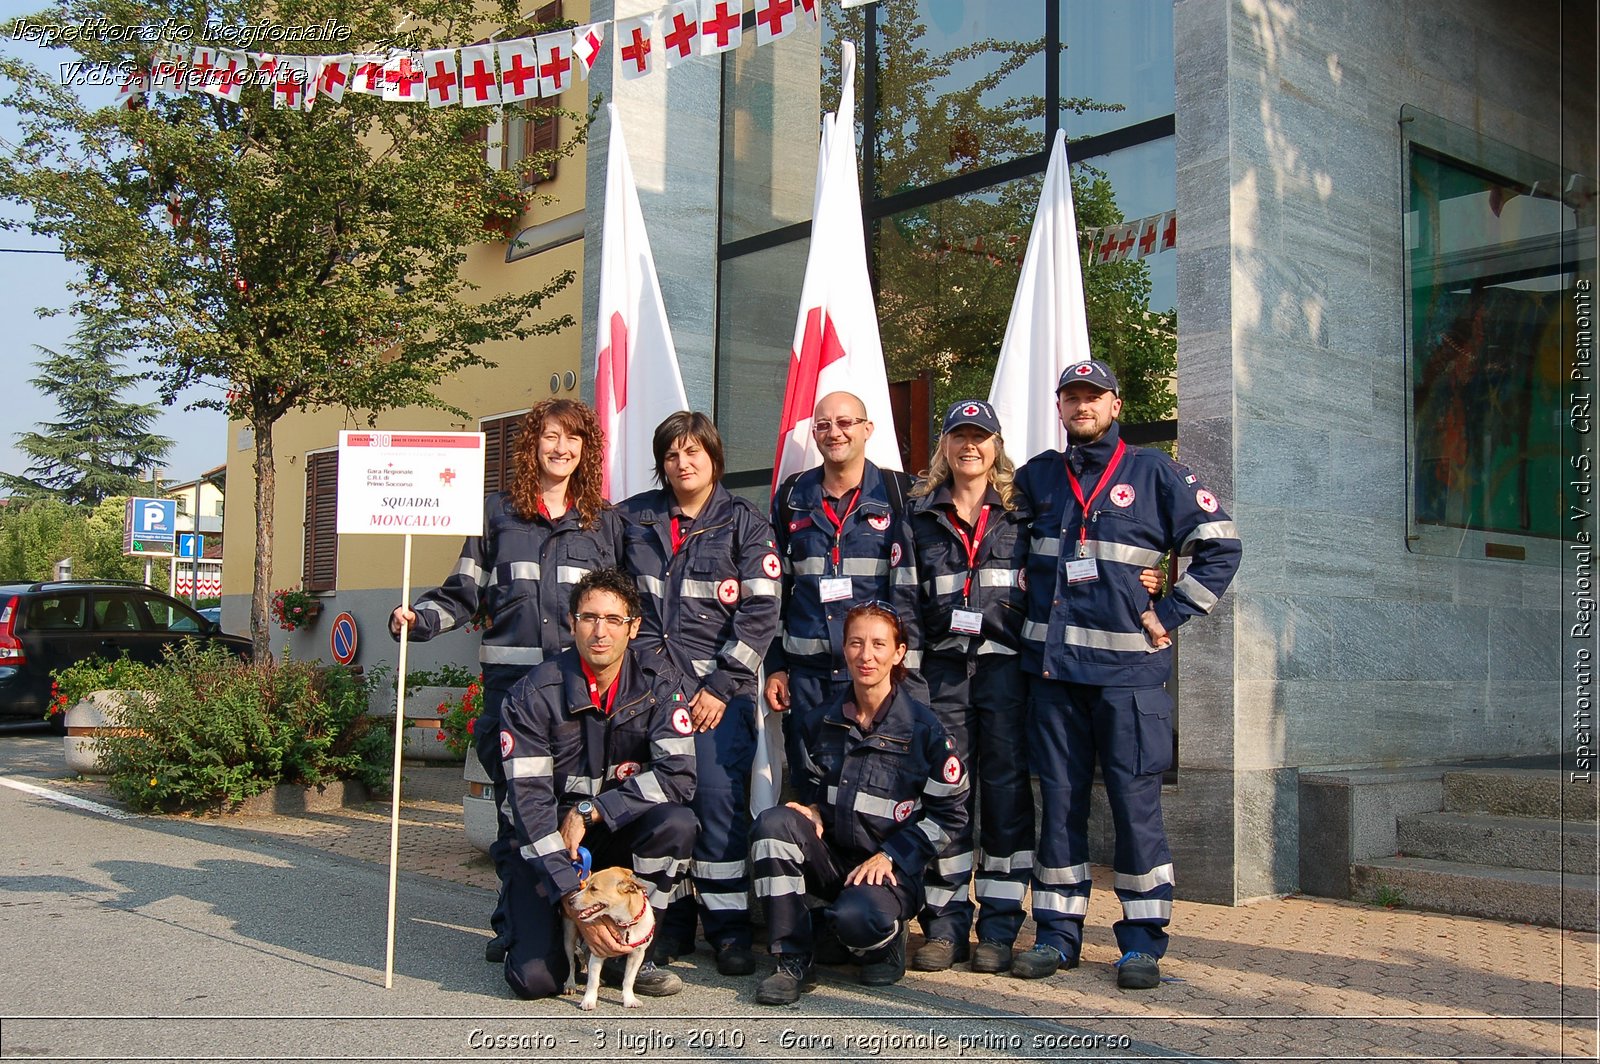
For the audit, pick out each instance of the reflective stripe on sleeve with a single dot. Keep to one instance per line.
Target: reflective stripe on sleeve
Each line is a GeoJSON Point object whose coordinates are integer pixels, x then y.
{"type": "Point", "coordinates": [523, 570]}
{"type": "Point", "coordinates": [1209, 530]}
{"type": "Point", "coordinates": [521, 768]}
{"type": "Point", "coordinates": [1196, 592]}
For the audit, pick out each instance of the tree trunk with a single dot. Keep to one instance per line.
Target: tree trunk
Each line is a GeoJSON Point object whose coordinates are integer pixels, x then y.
{"type": "Point", "coordinates": [261, 589]}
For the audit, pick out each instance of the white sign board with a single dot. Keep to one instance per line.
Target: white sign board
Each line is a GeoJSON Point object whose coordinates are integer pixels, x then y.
{"type": "Point", "coordinates": [410, 483]}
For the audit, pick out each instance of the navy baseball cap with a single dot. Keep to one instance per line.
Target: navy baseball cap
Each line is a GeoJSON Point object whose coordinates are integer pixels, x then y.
{"type": "Point", "coordinates": [972, 412]}
{"type": "Point", "coordinates": [1092, 372]}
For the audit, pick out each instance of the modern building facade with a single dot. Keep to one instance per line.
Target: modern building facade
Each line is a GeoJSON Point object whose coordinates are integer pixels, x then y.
{"type": "Point", "coordinates": [1386, 214]}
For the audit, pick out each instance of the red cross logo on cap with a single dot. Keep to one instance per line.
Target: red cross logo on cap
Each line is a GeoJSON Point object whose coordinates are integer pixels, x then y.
{"type": "Point", "coordinates": [970, 410]}
{"type": "Point", "coordinates": [1122, 495]}
{"type": "Point", "coordinates": [1084, 369]}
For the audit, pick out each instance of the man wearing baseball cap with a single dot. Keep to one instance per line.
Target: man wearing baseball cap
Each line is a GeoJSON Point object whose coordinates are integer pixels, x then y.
{"type": "Point", "coordinates": [1099, 653]}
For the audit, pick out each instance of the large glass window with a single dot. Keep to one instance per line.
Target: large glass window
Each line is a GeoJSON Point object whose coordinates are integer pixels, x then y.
{"type": "Point", "coordinates": [1115, 56]}
{"type": "Point", "coordinates": [1490, 251]}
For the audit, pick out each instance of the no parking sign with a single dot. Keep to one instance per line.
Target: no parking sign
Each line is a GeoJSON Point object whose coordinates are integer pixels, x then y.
{"type": "Point", "coordinates": [342, 641]}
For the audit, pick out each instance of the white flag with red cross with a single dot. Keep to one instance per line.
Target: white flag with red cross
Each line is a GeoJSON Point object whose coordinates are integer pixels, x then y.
{"type": "Point", "coordinates": [171, 65]}
{"type": "Point", "coordinates": [680, 32]}
{"type": "Point", "coordinates": [636, 379]}
{"type": "Point", "coordinates": [636, 52]}
{"type": "Point", "coordinates": [133, 90]}
{"type": "Point", "coordinates": [288, 82]}
{"type": "Point", "coordinates": [402, 78]}
{"type": "Point", "coordinates": [441, 78]}
{"type": "Point", "coordinates": [1149, 237]}
{"type": "Point", "coordinates": [721, 24]}
{"type": "Point", "coordinates": [333, 76]}
{"type": "Point", "coordinates": [202, 69]}
{"type": "Point", "coordinates": [1110, 241]}
{"type": "Point", "coordinates": [836, 341]}
{"type": "Point", "coordinates": [1048, 329]}
{"type": "Point", "coordinates": [1169, 231]}
{"type": "Point", "coordinates": [555, 62]}
{"type": "Point", "coordinates": [774, 19]}
{"type": "Point", "coordinates": [586, 42]}
{"type": "Point", "coordinates": [519, 70]}
{"type": "Point", "coordinates": [227, 78]}
{"type": "Point", "coordinates": [480, 85]}
{"type": "Point", "coordinates": [367, 78]}
{"type": "Point", "coordinates": [813, 11]}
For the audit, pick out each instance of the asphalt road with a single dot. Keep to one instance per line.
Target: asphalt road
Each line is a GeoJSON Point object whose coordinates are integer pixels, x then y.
{"type": "Point", "coordinates": [142, 938]}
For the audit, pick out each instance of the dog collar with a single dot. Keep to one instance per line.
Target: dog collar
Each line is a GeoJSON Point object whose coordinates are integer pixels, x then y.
{"type": "Point", "coordinates": [624, 928]}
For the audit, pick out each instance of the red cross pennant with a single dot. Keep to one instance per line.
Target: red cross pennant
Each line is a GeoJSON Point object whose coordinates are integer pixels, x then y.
{"type": "Point", "coordinates": [369, 77]}
{"type": "Point", "coordinates": [201, 64]}
{"type": "Point", "coordinates": [288, 87]}
{"type": "Point", "coordinates": [442, 81]}
{"type": "Point", "coordinates": [680, 36]}
{"type": "Point", "coordinates": [1109, 247]}
{"type": "Point", "coordinates": [334, 78]}
{"type": "Point", "coordinates": [774, 20]}
{"type": "Point", "coordinates": [723, 21]}
{"type": "Point", "coordinates": [1147, 237]}
{"type": "Point", "coordinates": [478, 80]}
{"type": "Point", "coordinates": [403, 79]}
{"type": "Point", "coordinates": [1169, 231]}
{"type": "Point", "coordinates": [810, 8]}
{"type": "Point", "coordinates": [1125, 245]}
{"type": "Point", "coordinates": [586, 41]}
{"type": "Point", "coordinates": [229, 79]}
{"type": "Point", "coordinates": [515, 75]}
{"type": "Point", "coordinates": [554, 64]}
{"type": "Point", "coordinates": [637, 51]}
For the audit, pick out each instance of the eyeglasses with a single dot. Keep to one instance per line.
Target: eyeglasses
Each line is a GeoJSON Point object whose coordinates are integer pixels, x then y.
{"type": "Point", "coordinates": [609, 620]}
{"type": "Point", "coordinates": [823, 426]}
{"type": "Point", "coordinates": [877, 604]}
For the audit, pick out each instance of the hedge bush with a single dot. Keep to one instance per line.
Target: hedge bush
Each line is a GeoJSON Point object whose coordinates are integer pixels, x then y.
{"type": "Point", "coordinates": [217, 730]}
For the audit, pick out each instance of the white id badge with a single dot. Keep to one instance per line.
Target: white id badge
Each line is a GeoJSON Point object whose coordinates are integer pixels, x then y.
{"type": "Point", "coordinates": [836, 588]}
{"type": "Point", "coordinates": [966, 622]}
{"type": "Point", "coordinates": [1082, 570]}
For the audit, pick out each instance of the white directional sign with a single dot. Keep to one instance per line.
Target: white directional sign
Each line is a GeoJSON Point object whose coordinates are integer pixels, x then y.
{"type": "Point", "coordinates": [410, 483]}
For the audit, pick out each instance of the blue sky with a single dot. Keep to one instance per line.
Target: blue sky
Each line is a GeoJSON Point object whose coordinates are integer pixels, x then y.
{"type": "Point", "coordinates": [28, 282]}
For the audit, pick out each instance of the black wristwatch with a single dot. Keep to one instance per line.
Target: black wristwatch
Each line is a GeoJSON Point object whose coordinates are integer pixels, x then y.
{"type": "Point", "coordinates": [589, 811]}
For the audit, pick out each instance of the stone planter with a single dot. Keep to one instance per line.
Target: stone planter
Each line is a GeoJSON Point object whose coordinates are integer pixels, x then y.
{"type": "Point", "coordinates": [477, 805]}
{"type": "Point", "coordinates": [288, 800]}
{"type": "Point", "coordinates": [422, 742]}
{"type": "Point", "coordinates": [85, 723]}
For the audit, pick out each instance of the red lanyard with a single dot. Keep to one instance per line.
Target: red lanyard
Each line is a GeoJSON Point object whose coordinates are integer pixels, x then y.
{"type": "Point", "coordinates": [838, 522]}
{"type": "Point", "coordinates": [677, 539]}
{"type": "Point", "coordinates": [594, 688]}
{"type": "Point", "coordinates": [972, 546]}
{"type": "Point", "coordinates": [1077, 490]}
{"type": "Point", "coordinates": [544, 511]}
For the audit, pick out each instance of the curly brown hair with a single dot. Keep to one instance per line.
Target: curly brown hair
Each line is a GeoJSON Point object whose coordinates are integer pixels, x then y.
{"type": "Point", "coordinates": [583, 489]}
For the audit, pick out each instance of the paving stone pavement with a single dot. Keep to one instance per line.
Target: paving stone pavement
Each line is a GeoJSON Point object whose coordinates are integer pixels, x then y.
{"type": "Point", "coordinates": [1289, 978]}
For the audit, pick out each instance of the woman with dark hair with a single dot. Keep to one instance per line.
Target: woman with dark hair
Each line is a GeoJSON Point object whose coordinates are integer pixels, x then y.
{"type": "Point", "coordinates": [540, 537]}
{"type": "Point", "coordinates": [881, 792]}
{"type": "Point", "coordinates": [710, 580]}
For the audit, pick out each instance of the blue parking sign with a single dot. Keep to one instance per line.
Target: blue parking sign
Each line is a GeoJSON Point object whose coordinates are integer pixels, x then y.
{"type": "Point", "coordinates": [150, 526]}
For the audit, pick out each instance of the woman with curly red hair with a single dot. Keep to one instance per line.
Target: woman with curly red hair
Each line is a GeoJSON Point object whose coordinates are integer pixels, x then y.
{"type": "Point", "coordinates": [540, 537]}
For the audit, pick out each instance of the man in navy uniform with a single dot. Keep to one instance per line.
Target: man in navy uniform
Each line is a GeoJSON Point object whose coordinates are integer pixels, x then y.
{"type": "Point", "coordinates": [1100, 653]}
{"type": "Point", "coordinates": [598, 750]}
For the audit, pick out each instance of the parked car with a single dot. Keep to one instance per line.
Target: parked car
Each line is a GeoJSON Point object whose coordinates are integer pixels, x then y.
{"type": "Point", "coordinates": [212, 614]}
{"type": "Point", "coordinates": [48, 626]}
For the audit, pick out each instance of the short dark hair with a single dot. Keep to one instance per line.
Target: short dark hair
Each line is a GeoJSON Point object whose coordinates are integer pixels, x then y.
{"type": "Point", "coordinates": [883, 611]}
{"type": "Point", "coordinates": [687, 425]}
{"type": "Point", "coordinates": [613, 580]}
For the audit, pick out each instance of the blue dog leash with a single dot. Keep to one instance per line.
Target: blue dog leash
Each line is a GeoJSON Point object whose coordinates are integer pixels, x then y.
{"type": "Point", "coordinates": [581, 865]}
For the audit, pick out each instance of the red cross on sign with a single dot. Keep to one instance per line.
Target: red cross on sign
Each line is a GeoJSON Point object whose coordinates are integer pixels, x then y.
{"type": "Point", "coordinates": [479, 81]}
{"type": "Point", "coordinates": [638, 52]}
{"type": "Point", "coordinates": [680, 37]}
{"type": "Point", "coordinates": [722, 24]}
{"type": "Point", "coordinates": [447, 476]}
{"type": "Point", "coordinates": [442, 81]}
{"type": "Point", "coordinates": [517, 75]}
{"type": "Point", "coordinates": [773, 15]}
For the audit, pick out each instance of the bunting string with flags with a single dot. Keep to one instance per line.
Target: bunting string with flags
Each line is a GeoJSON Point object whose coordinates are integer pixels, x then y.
{"type": "Point", "coordinates": [637, 383]}
{"type": "Point", "coordinates": [643, 44]}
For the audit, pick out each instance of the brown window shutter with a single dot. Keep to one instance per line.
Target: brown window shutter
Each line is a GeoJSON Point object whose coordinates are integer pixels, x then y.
{"type": "Point", "coordinates": [542, 134]}
{"type": "Point", "coordinates": [499, 455]}
{"type": "Point", "coordinates": [322, 504]}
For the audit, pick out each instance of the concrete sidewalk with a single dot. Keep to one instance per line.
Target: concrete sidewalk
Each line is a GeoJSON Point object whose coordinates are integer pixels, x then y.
{"type": "Point", "coordinates": [1292, 978]}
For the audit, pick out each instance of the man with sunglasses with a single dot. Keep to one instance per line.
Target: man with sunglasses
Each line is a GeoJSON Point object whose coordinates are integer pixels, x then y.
{"type": "Point", "coordinates": [842, 541]}
{"type": "Point", "coordinates": [598, 748]}
{"type": "Point", "coordinates": [1099, 652]}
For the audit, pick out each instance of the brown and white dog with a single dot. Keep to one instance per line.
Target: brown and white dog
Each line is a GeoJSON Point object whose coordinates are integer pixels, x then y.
{"type": "Point", "coordinates": [612, 892]}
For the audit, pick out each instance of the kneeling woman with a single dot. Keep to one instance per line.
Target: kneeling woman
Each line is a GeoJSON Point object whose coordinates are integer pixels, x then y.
{"type": "Point", "coordinates": [882, 793]}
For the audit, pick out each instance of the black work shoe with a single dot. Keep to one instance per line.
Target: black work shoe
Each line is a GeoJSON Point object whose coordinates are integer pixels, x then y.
{"type": "Point", "coordinates": [792, 974]}
{"type": "Point", "coordinates": [656, 982]}
{"type": "Point", "coordinates": [1138, 971]}
{"type": "Point", "coordinates": [992, 957]}
{"type": "Point", "coordinates": [734, 959]}
{"type": "Point", "coordinates": [937, 954]}
{"type": "Point", "coordinates": [887, 965]}
{"type": "Point", "coordinates": [494, 951]}
{"type": "Point", "coordinates": [829, 950]}
{"type": "Point", "coordinates": [1040, 962]}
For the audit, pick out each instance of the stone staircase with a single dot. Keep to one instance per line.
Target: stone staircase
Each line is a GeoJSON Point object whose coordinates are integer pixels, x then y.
{"type": "Point", "coordinates": [1510, 844]}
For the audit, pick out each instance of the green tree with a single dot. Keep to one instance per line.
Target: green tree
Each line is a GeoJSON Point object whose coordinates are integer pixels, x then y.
{"type": "Point", "coordinates": [102, 443]}
{"type": "Point", "coordinates": [946, 273]}
{"type": "Point", "coordinates": [291, 259]}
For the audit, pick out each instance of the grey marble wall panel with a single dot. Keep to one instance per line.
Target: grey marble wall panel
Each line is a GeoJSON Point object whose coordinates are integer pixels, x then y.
{"type": "Point", "coordinates": [1260, 725]}
{"type": "Point", "coordinates": [1496, 584]}
{"type": "Point", "coordinates": [1373, 640]}
{"type": "Point", "coordinates": [1200, 817]}
{"type": "Point", "coordinates": [1205, 445]}
{"type": "Point", "coordinates": [1330, 553]}
{"type": "Point", "coordinates": [1329, 723]}
{"type": "Point", "coordinates": [1452, 642]}
{"type": "Point", "coordinates": [1313, 387]}
{"type": "Point", "coordinates": [1524, 718]}
{"type": "Point", "coordinates": [1523, 644]}
{"type": "Point", "coordinates": [1205, 182]}
{"type": "Point", "coordinates": [1267, 838]}
{"type": "Point", "coordinates": [1281, 637]}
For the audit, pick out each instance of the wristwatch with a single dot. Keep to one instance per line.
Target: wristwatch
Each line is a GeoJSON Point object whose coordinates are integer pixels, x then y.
{"type": "Point", "coordinates": [588, 810]}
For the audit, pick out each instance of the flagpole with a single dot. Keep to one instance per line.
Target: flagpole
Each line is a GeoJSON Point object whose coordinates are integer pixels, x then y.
{"type": "Point", "coordinates": [394, 783]}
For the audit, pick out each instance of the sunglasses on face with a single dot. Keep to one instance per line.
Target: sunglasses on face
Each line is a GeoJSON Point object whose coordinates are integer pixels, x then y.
{"type": "Point", "coordinates": [823, 426]}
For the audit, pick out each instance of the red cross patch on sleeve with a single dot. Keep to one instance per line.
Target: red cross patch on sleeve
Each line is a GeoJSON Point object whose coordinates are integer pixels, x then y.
{"type": "Point", "coordinates": [895, 554]}
{"type": "Point", "coordinates": [771, 566]}
{"type": "Point", "coordinates": [506, 744]}
{"type": "Point", "coordinates": [952, 769]}
{"type": "Point", "coordinates": [681, 722]}
{"type": "Point", "coordinates": [903, 810]}
{"type": "Point", "coordinates": [728, 592]}
{"type": "Point", "coordinates": [1206, 501]}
